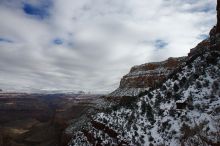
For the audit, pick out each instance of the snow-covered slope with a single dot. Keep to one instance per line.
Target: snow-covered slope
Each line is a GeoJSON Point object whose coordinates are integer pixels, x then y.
{"type": "Point", "coordinates": [186, 109]}
{"type": "Point", "coordinates": [183, 111]}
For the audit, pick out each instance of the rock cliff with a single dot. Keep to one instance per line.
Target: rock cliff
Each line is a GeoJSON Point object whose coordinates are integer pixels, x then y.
{"type": "Point", "coordinates": [145, 76]}
{"type": "Point", "coordinates": [218, 17]}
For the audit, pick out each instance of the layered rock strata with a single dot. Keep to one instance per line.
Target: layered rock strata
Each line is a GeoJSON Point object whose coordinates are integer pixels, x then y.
{"type": "Point", "coordinates": [145, 76]}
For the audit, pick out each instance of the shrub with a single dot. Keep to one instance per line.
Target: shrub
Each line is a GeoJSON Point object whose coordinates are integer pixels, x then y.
{"type": "Point", "coordinates": [168, 94]}
{"type": "Point", "coordinates": [164, 88]}
{"type": "Point", "coordinates": [175, 87]}
{"type": "Point", "coordinates": [133, 140]}
{"type": "Point", "coordinates": [172, 112]}
{"type": "Point", "coordinates": [215, 86]}
{"type": "Point", "coordinates": [151, 138]}
{"type": "Point", "coordinates": [143, 107]}
{"type": "Point", "coordinates": [158, 100]}
{"type": "Point", "coordinates": [150, 95]}
{"type": "Point", "coordinates": [173, 132]}
{"type": "Point", "coordinates": [131, 118]}
{"type": "Point", "coordinates": [182, 81]}
{"type": "Point", "coordinates": [135, 127]}
{"type": "Point", "coordinates": [176, 97]}
{"type": "Point", "coordinates": [135, 133]}
{"type": "Point", "coordinates": [160, 112]}
{"type": "Point", "coordinates": [190, 66]}
{"type": "Point", "coordinates": [206, 84]}
{"type": "Point", "coordinates": [195, 76]}
{"type": "Point", "coordinates": [143, 93]}
{"type": "Point", "coordinates": [142, 139]}
{"type": "Point", "coordinates": [175, 77]}
{"type": "Point", "coordinates": [165, 125]}
{"type": "Point", "coordinates": [150, 115]}
{"type": "Point", "coordinates": [190, 102]}
{"type": "Point", "coordinates": [128, 101]}
{"type": "Point", "coordinates": [198, 85]}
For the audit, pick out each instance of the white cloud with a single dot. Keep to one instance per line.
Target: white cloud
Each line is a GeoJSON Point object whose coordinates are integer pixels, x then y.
{"type": "Point", "coordinates": [101, 40]}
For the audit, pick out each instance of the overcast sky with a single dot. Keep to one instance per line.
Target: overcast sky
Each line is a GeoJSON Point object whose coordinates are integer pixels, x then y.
{"type": "Point", "coordinates": [90, 44]}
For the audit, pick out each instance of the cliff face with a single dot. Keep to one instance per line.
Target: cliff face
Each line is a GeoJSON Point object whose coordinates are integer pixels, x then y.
{"type": "Point", "coordinates": [145, 76]}
{"type": "Point", "coordinates": [218, 17]}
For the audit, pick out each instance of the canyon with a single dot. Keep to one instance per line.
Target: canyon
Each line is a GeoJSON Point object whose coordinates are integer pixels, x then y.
{"type": "Point", "coordinates": [40, 119]}
{"type": "Point", "coordinates": [175, 102]}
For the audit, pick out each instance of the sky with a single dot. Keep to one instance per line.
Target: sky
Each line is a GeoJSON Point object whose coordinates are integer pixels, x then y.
{"type": "Point", "coordinates": [89, 45]}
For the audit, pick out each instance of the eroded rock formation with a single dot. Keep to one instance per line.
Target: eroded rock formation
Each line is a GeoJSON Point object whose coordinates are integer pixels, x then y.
{"type": "Point", "coordinates": [142, 77]}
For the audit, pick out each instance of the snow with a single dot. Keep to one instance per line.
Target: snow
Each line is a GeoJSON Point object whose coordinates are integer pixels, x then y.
{"type": "Point", "coordinates": [139, 129]}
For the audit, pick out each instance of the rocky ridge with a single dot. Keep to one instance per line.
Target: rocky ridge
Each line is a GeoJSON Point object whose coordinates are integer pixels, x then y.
{"type": "Point", "coordinates": [145, 76]}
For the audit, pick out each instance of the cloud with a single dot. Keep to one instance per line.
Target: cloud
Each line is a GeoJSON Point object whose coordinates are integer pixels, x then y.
{"type": "Point", "coordinates": [89, 45]}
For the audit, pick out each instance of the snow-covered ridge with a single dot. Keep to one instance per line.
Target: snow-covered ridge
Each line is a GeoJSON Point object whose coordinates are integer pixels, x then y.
{"type": "Point", "coordinates": [120, 92]}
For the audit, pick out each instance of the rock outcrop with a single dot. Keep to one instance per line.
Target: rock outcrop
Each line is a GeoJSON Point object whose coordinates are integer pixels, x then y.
{"type": "Point", "coordinates": [200, 48]}
{"type": "Point", "coordinates": [218, 17]}
{"type": "Point", "coordinates": [145, 76]}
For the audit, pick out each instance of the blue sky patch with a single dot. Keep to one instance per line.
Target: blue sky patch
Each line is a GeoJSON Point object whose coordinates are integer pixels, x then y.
{"type": "Point", "coordinates": [40, 10]}
{"type": "Point", "coordinates": [203, 36]}
{"type": "Point", "coordinates": [5, 40]}
{"type": "Point", "coordinates": [58, 41]}
{"type": "Point", "coordinates": [209, 8]}
{"type": "Point", "coordinates": [160, 44]}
